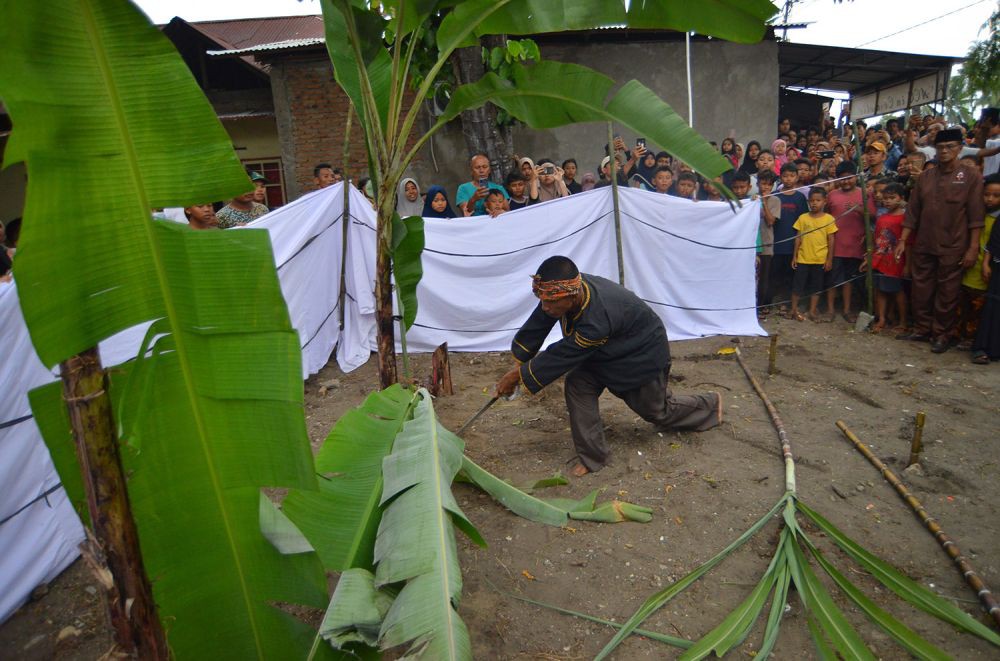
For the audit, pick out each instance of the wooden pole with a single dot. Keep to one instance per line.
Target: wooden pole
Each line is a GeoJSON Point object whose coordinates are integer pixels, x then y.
{"type": "Point", "coordinates": [346, 219]}
{"type": "Point", "coordinates": [131, 608]}
{"type": "Point", "coordinates": [917, 444]}
{"type": "Point", "coordinates": [971, 577]}
{"type": "Point", "coordinates": [869, 235]}
{"type": "Point", "coordinates": [772, 356]}
{"type": "Point", "coordinates": [613, 170]}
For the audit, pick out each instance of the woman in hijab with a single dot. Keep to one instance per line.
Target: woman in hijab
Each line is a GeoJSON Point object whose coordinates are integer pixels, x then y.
{"type": "Point", "coordinates": [728, 150]}
{"type": "Point", "coordinates": [548, 182]}
{"type": "Point", "coordinates": [408, 202]}
{"type": "Point", "coordinates": [436, 204]}
{"type": "Point", "coordinates": [644, 171]}
{"type": "Point", "coordinates": [588, 182]}
{"type": "Point", "coordinates": [527, 167]}
{"type": "Point", "coordinates": [750, 158]}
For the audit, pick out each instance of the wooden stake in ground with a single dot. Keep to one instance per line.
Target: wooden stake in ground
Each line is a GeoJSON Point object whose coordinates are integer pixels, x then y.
{"type": "Point", "coordinates": [772, 356]}
{"type": "Point", "coordinates": [131, 609]}
{"type": "Point", "coordinates": [441, 372]}
{"type": "Point", "coordinates": [917, 444]}
{"type": "Point", "coordinates": [971, 577]}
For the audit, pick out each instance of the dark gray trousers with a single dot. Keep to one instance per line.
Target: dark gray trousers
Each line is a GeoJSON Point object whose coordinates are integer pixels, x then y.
{"type": "Point", "coordinates": [653, 401]}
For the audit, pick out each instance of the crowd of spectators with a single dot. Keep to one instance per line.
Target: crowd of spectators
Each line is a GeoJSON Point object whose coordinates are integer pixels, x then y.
{"type": "Point", "coordinates": [930, 193]}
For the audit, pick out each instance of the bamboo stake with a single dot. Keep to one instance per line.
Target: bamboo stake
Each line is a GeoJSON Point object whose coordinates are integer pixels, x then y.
{"type": "Point", "coordinates": [971, 577]}
{"type": "Point", "coordinates": [786, 446]}
{"type": "Point", "coordinates": [613, 171]}
{"type": "Point", "coordinates": [917, 444]}
{"type": "Point", "coordinates": [772, 356]}
{"type": "Point", "coordinates": [131, 608]}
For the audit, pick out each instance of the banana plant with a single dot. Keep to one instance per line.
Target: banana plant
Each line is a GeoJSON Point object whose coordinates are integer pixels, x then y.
{"type": "Point", "coordinates": [372, 46]}
{"type": "Point", "coordinates": [111, 124]}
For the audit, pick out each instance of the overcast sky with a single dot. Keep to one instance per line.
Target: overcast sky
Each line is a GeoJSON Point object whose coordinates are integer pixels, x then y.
{"type": "Point", "coordinates": [921, 26]}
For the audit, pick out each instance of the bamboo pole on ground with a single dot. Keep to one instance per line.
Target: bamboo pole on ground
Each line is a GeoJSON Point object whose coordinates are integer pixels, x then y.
{"type": "Point", "coordinates": [786, 446]}
{"type": "Point", "coordinates": [971, 577]}
{"type": "Point", "coordinates": [613, 171]}
{"type": "Point", "coordinates": [131, 608]}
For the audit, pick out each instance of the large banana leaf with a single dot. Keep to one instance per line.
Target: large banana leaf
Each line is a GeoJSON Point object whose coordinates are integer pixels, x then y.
{"type": "Point", "coordinates": [550, 94]}
{"type": "Point", "coordinates": [110, 124]}
{"type": "Point", "coordinates": [341, 519]}
{"type": "Point", "coordinates": [416, 539]}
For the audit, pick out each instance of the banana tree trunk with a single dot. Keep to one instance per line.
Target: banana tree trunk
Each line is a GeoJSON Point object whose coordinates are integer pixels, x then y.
{"type": "Point", "coordinates": [384, 322]}
{"type": "Point", "coordinates": [131, 609]}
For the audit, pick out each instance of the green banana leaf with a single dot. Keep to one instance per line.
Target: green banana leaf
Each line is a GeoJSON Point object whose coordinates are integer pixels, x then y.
{"type": "Point", "coordinates": [734, 20]}
{"type": "Point", "coordinates": [906, 588]}
{"type": "Point", "coordinates": [55, 429]}
{"type": "Point", "coordinates": [550, 94]}
{"type": "Point", "coordinates": [416, 540]}
{"type": "Point", "coordinates": [101, 102]}
{"type": "Point", "coordinates": [341, 518]}
{"type": "Point", "coordinates": [356, 611]}
{"type": "Point", "coordinates": [407, 244]}
{"type": "Point", "coordinates": [552, 511]}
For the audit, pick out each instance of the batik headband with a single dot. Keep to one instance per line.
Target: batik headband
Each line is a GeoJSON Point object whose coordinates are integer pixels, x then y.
{"type": "Point", "coordinates": [553, 290]}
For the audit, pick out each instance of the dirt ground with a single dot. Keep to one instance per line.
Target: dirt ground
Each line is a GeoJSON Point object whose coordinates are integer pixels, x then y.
{"type": "Point", "coordinates": [704, 489]}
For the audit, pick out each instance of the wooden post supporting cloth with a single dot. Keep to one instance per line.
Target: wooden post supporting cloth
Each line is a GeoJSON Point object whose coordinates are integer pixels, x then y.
{"type": "Point", "coordinates": [971, 577]}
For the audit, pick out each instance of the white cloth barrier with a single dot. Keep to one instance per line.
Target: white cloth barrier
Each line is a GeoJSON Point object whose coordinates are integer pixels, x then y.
{"type": "Point", "coordinates": [474, 294]}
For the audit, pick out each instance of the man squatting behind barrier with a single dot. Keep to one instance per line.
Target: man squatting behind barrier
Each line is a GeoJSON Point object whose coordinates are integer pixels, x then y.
{"type": "Point", "coordinates": [611, 339]}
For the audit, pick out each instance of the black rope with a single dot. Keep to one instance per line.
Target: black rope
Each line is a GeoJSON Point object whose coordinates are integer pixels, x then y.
{"type": "Point", "coordinates": [517, 250]}
{"type": "Point", "coordinates": [308, 242]}
{"type": "Point", "coordinates": [321, 324]}
{"type": "Point", "coordinates": [750, 307]}
{"type": "Point", "coordinates": [753, 247]}
{"type": "Point", "coordinates": [15, 421]}
{"type": "Point", "coordinates": [43, 496]}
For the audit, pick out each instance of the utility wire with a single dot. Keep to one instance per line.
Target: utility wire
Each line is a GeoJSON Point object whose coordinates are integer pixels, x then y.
{"type": "Point", "coordinates": [922, 23]}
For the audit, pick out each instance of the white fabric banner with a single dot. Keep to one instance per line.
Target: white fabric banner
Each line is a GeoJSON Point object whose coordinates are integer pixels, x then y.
{"type": "Point", "coordinates": [475, 293]}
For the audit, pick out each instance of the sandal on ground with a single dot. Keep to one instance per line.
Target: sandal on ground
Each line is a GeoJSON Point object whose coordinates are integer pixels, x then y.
{"type": "Point", "coordinates": [980, 358]}
{"type": "Point", "coordinates": [814, 317]}
{"type": "Point", "coordinates": [579, 470]}
{"type": "Point", "coordinates": [850, 317]}
{"type": "Point", "coordinates": [877, 328]}
{"type": "Point", "coordinates": [830, 318]}
{"type": "Point", "coordinates": [964, 345]}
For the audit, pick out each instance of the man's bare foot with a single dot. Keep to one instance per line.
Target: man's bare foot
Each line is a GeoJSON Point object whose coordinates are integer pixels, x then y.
{"type": "Point", "coordinates": [579, 470]}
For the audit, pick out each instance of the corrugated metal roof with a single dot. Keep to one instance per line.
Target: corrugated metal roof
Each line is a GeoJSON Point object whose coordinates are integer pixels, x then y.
{"type": "Point", "coordinates": [277, 45]}
{"type": "Point", "coordinates": [246, 33]}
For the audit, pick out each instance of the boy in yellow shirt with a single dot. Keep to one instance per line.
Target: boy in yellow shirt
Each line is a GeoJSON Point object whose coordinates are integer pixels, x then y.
{"type": "Point", "coordinates": [813, 254]}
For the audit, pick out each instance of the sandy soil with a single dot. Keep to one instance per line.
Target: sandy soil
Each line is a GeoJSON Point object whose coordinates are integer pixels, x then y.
{"type": "Point", "coordinates": [704, 488]}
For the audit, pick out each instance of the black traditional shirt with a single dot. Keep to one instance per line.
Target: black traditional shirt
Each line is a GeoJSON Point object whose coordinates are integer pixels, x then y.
{"type": "Point", "coordinates": [615, 334]}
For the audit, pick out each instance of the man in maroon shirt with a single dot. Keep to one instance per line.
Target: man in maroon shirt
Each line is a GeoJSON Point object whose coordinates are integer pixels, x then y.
{"type": "Point", "coordinates": [946, 212]}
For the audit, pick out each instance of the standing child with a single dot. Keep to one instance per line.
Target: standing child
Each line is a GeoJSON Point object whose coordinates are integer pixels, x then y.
{"type": "Point", "coordinates": [986, 346]}
{"type": "Point", "coordinates": [849, 247]}
{"type": "Point", "coordinates": [793, 205]}
{"type": "Point", "coordinates": [813, 253]}
{"type": "Point", "coordinates": [770, 210]}
{"type": "Point", "coordinates": [888, 270]}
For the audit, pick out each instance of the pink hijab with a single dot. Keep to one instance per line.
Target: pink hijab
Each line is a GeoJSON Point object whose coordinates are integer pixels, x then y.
{"type": "Point", "coordinates": [779, 160]}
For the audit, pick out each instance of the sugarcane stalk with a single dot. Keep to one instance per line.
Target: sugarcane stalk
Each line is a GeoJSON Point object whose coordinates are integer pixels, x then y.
{"type": "Point", "coordinates": [786, 446]}
{"type": "Point", "coordinates": [917, 444]}
{"type": "Point", "coordinates": [986, 598]}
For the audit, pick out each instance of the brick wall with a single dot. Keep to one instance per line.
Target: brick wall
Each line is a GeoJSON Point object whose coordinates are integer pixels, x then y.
{"type": "Point", "coordinates": [311, 114]}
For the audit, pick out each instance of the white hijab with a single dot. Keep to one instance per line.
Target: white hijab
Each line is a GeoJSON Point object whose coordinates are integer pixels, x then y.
{"type": "Point", "coordinates": [404, 207]}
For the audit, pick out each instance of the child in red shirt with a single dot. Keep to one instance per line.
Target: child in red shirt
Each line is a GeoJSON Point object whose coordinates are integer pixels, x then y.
{"type": "Point", "coordinates": [888, 271]}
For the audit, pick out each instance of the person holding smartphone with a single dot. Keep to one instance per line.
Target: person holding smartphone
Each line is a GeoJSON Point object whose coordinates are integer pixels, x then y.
{"type": "Point", "coordinates": [471, 195]}
{"type": "Point", "coordinates": [548, 183]}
